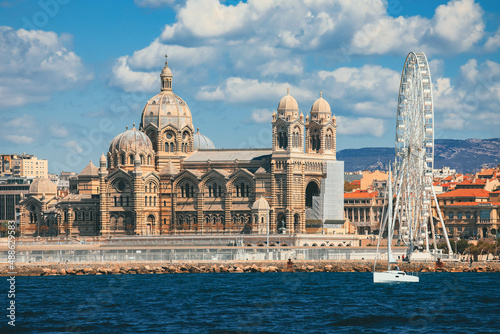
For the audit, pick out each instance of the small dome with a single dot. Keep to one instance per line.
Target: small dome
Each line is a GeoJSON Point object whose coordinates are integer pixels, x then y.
{"type": "Point", "coordinates": [42, 186]}
{"type": "Point", "coordinates": [201, 142]}
{"type": "Point", "coordinates": [321, 106]}
{"type": "Point", "coordinates": [131, 140]}
{"type": "Point", "coordinates": [166, 72]}
{"type": "Point", "coordinates": [288, 102]}
{"type": "Point", "coordinates": [261, 204]}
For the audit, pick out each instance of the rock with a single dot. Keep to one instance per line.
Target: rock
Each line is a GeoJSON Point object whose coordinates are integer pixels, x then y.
{"type": "Point", "coordinates": [62, 272]}
{"type": "Point", "coordinates": [115, 271]}
{"type": "Point", "coordinates": [147, 268]}
{"type": "Point", "coordinates": [310, 268]}
{"type": "Point", "coordinates": [238, 270]}
{"type": "Point", "coordinates": [272, 269]}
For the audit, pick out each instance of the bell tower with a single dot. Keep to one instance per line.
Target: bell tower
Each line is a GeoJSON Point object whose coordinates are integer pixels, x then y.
{"type": "Point", "coordinates": [321, 130]}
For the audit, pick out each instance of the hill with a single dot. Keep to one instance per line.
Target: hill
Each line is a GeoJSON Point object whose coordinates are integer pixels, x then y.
{"type": "Point", "coordinates": [466, 156]}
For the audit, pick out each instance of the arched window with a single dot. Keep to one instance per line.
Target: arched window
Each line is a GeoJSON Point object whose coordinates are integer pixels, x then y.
{"type": "Point", "coordinates": [121, 200]}
{"type": "Point", "coordinates": [123, 159]}
{"type": "Point", "coordinates": [116, 201]}
{"type": "Point", "coordinates": [145, 200]}
{"type": "Point", "coordinates": [154, 201]}
{"type": "Point", "coordinates": [128, 203]}
{"type": "Point", "coordinates": [131, 159]}
{"type": "Point", "coordinates": [149, 160]}
{"type": "Point", "coordinates": [450, 215]}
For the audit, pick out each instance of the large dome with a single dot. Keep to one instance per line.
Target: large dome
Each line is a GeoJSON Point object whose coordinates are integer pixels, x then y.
{"type": "Point", "coordinates": [131, 140]}
{"type": "Point", "coordinates": [201, 142]}
{"type": "Point", "coordinates": [166, 108]}
{"type": "Point", "coordinates": [42, 186]}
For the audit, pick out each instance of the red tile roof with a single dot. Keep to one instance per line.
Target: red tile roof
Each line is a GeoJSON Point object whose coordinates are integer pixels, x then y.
{"type": "Point", "coordinates": [473, 203]}
{"type": "Point", "coordinates": [361, 194]}
{"type": "Point", "coordinates": [486, 172]}
{"type": "Point", "coordinates": [465, 193]}
{"type": "Point", "coordinates": [478, 182]}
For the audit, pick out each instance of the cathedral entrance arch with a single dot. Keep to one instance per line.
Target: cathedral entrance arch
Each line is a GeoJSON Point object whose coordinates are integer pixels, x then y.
{"type": "Point", "coordinates": [281, 223]}
{"type": "Point", "coordinates": [150, 225]}
{"type": "Point", "coordinates": [312, 189]}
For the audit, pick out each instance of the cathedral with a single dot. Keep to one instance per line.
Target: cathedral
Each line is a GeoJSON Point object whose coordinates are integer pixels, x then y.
{"type": "Point", "coordinates": [164, 177]}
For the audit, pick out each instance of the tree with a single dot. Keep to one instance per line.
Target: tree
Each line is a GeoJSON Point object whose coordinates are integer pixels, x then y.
{"type": "Point", "coordinates": [348, 187]}
{"type": "Point", "coordinates": [460, 246]}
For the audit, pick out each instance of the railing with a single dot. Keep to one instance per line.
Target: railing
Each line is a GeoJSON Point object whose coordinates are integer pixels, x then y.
{"type": "Point", "coordinates": [212, 254]}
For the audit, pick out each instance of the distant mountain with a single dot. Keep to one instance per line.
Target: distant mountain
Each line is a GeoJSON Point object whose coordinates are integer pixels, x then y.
{"type": "Point", "coordinates": [466, 156]}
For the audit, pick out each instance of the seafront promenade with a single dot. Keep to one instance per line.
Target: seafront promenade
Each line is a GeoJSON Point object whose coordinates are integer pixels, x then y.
{"type": "Point", "coordinates": [178, 267]}
{"type": "Point", "coordinates": [197, 248]}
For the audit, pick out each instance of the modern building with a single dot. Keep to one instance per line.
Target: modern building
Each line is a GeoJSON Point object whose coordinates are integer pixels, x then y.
{"type": "Point", "coordinates": [12, 190]}
{"type": "Point", "coordinates": [24, 165]}
{"type": "Point", "coordinates": [165, 177]}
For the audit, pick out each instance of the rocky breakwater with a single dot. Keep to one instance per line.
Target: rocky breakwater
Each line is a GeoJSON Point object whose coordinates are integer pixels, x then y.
{"type": "Point", "coordinates": [117, 268]}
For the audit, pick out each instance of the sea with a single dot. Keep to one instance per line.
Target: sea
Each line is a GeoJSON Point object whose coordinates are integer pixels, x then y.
{"type": "Point", "coordinates": [254, 303]}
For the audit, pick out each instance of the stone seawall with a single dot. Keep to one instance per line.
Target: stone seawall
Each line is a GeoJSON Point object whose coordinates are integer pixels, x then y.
{"type": "Point", "coordinates": [117, 268]}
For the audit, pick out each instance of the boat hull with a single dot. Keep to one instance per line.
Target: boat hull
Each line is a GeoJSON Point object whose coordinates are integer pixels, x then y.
{"type": "Point", "coordinates": [394, 276]}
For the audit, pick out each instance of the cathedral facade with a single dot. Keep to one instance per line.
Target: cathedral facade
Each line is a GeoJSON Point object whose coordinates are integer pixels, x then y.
{"type": "Point", "coordinates": [165, 177]}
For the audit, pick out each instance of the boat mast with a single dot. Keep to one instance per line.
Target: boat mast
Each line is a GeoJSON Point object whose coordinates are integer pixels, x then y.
{"type": "Point", "coordinates": [390, 226]}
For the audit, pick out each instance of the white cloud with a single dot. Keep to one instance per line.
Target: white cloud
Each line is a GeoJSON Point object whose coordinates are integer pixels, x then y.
{"type": "Point", "coordinates": [18, 139]}
{"type": "Point", "coordinates": [36, 64]}
{"type": "Point", "coordinates": [459, 23]}
{"type": "Point", "coordinates": [73, 146]}
{"type": "Point", "coordinates": [368, 90]}
{"type": "Point", "coordinates": [133, 81]}
{"type": "Point", "coordinates": [469, 101]}
{"type": "Point", "coordinates": [24, 122]}
{"type": "Point", "coordinates": [262, 115]}
{"type": "Point", "coordinates": [493, 42]}
{"type": "Point", "coordinates": [456, 27]}
{"type": "Point", "coordinates": [360, 126]}
{"type": "Point", "coordinates": [246, 90]}
{"type": "Point", "coordinates": [59, 131]}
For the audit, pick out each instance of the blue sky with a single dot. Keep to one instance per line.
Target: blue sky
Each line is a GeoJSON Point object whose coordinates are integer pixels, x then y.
{"type": "Point", "coordinates": [74, 74]}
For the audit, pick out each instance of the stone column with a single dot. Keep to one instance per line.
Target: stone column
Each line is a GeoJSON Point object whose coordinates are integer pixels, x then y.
{"type": "Point", "coordinates": [272, 214]}
{"type": "Point", "coordinates": [303, 198]}
{"type": "Point", "coordinates": [103, 200]}
{"type": "Point", "coordinates": [201, 220]}
{"type": "Point", "coordinates": [227, 208]}
{"type": "Point", "coordinates": [289, 197]}
{"type": "Point", "coordinates": [138, 201]}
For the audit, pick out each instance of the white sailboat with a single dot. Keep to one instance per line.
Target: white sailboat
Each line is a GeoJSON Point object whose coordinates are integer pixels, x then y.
{"type": "Point", "coordinates": [391, 275]}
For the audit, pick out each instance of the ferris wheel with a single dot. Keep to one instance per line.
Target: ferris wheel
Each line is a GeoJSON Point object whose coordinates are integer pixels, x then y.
{"type": "Point", "coordinates": [415, 156]}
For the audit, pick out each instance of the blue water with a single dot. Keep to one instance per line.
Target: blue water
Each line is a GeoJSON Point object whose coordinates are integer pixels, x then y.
{"type": "Point", "coordinates": [255, 303]}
